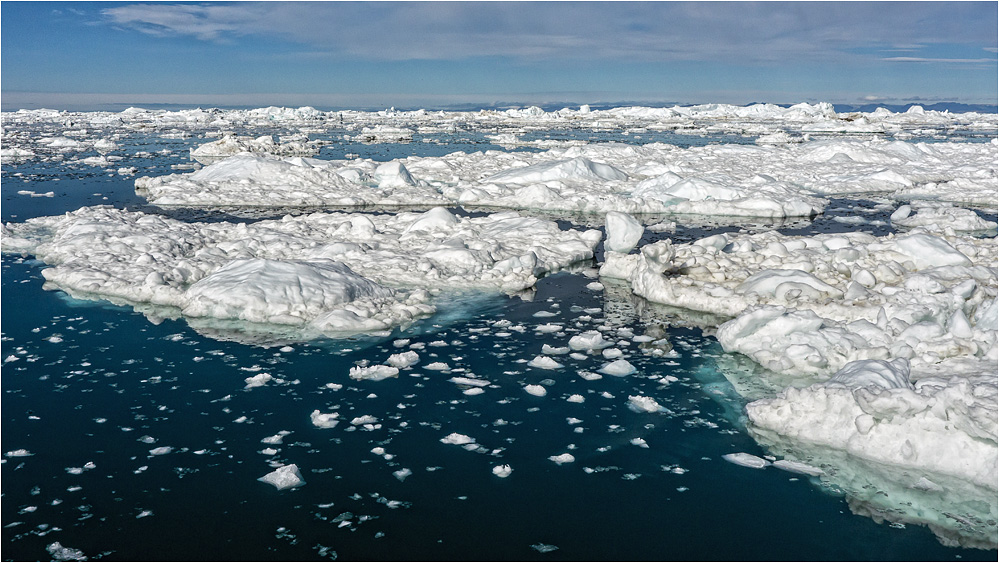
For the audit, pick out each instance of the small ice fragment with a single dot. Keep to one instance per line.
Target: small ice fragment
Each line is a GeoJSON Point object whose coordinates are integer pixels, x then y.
{"type": "Point", "coordinates": [269, 451]}
{"type": "Point", "coordinates": [589, 340]}
{"type": "Point", "coordinates": [544, 547]}
{"type": "Point", "coordinates": [365, 419]}
{"type": "Point", "coordinates": [324, 420]}
{"type": "Point", "coordinates": [18, 453]}
{"type": "Point", "coordinates": [544, 362]}
{"type": "Point", "coordinates": [612, 353]}
{"type": "Point", "coordinates": [373, 373]}
{"type": "Point", "coordinates": [640, 442]}
{"type": "Point", "coordinates": [60, 553]}
{"type": "Point", "coordinates": [746, 460]}
{"type": "Point", "coordinates": [437, 366]}
{"type": "Point", "coordinates": [575, 398]}
{"type": "Point", "coordinates": [619, 368]}
{"type": "Point", "coordinates": [640, 404]}
{"type": "Point", "coordinates": [473, 391]}
{"type": "Point", "coordinates": [403, 359]}
{"type": "Point", "coordinates": [334, 386]}
{"type": "Point", "coordinates": [546, 349]}
{"type": "Point", "coordinates": [258, 380]}
{"type": "Point", "coordinates": [162, 450]}
{"type": "Point", "coordinates": [541, 314]}
{"type": "Point", "coordinates": [563, 458]}
{"type": "Point", "coordinates": [594, 286]}
{"type": "Point", "coordinates": [502, 471]}
{"type": "Point", "coordinates": [536, 390]}
{"type": "Point", "coordinates": [402, 473]}
{"type": "Point", "coordinates": [284, 477]}
{"type": "Point", "coordinates": [457, 439]}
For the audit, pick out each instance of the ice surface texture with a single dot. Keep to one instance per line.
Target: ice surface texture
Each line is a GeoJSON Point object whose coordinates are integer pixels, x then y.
{"type": "Point", "coordinates": [325, 273]}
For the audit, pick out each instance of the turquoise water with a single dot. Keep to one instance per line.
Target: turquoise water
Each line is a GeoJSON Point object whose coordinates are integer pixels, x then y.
{"type": "Point", "coordinates": [95, 387]}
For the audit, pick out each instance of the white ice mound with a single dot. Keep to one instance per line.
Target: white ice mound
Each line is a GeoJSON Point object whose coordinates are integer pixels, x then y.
{"type": "Point", "coordinates": [938, 217]}
{"type": "Point", "coordinates": [373, 373]}
{"type": "Point", "coordinates": [579, 168]}
{"type": "Point", "coordinates": [250, 180]}
{"type": "Point", "coordinates": [589, 340]}
{"type": "Point", "coordinates": [869, 409]}
{"type": "Point", "coordinates": [230, 145]}
{"type": "Point", "coordinates": [351, 272]}
{"type": "Point", "coordinates": [279, 291]}
{"type": "Point", "coordinates": [285, 477]}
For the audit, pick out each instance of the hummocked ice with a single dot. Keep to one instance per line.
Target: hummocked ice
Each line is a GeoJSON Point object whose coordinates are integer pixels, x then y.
{"type": "Point", "coordinates": [300, 334]}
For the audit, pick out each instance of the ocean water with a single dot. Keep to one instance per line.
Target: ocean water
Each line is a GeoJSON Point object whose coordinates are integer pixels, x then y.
{"type": "Point", "coordinates": [145, 443]}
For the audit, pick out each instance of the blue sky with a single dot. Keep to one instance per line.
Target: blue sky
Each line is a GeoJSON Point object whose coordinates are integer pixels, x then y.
{"type": "Point", "coordinates": [408, 54]}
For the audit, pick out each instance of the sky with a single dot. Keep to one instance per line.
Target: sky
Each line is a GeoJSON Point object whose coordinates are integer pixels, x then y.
{"type": "Point", "coordinates": [82, 55]}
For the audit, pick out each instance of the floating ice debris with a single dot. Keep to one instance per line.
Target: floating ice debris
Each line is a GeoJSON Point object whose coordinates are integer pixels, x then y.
{"type": "Point", "coordinates": [403, 359]}
{"type": "Point", "coordinates": [402, 474]}
{"type": "Point", "coordinates": [640, 442]}
{"type": "Point", "coordinates": [549, 327]}
{"type": "Point", "coordinates": [364, 419]}
{"type": "Point", "coordinates": [746, 460]}
{"type": "Point", "coordinates": [18, 453]}
{"type": "Point", "coordinates": [276, 438]}
{"type": "Point", "coordinates": [544, 362]}
{"type": "Point", "coordinates": [619, 368]}
{"type": "Point", "coordinates": [60, 553]}
{"type": "Point", "coordinates": [502, 471]}
{"type": "Point", "coordinates": [373, 373]}
{"type": "Point", "coordinates": [457, 439]}
{"type": "Point", "coordinates": [334, 386]}
{"type": "Point", "coordinates": [562, 458]}
{"type": "Point", "coordinates": [589, 340]}
{"type": "Point", "coordinates": [798, 467]}
{"type": "Point", "coordinates": [285, 477]}
{"type": "Point", "coordinates": [541, 314]}
{"type": "Point", "coordinates": [639, 403]}
{"type": "Point", "coordinates": [536, 390]}
{"type": "Point", "coordinates": [575, 398]}
{"type": "Point", "coordinates": [437, 366]}
{"type": "Point", "coordinates": [324, 420]}
{"type": "Point", "coordinates": [258, 380]}
{"type": "Point", "coordinates": [544, 547]}
{"type": "Point", "coordinates": [162, 450]}
{"type": "Point", "coordinates": [469, 381]}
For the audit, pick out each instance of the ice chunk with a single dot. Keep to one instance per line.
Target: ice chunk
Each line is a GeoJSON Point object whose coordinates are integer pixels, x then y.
{"type": "Point", "coordinates": [589, 340]}
{"type": "Point", "coordinates": [457, 439]}
{"type": "Point", "coordinates": [403, 359]}
{"type": "Point", "coordinates": [536, 390]}
{"type": "Point", "coordinates": [639, 403]}
{"type": "Point", "coordinates": [502, 471]}
{"type": "Point", "coordinates": [562, 458]}
{"type": "Point", "coordinates": [324, 420]}
{"type": "Point", "coordinates": [373, 373]}
{"type": "Point", "coordinates": [285, 477]}
{"type": "Point", "coordinates": [619, 368]}
{"type": "Point", "coordinates": [623, 232]}
{"type": "Point", "coordinates": [61, 553]}
{"type": "Point", "coordinates": [746, 460]}
{"type": "Point", "coordinates": [544, 362]}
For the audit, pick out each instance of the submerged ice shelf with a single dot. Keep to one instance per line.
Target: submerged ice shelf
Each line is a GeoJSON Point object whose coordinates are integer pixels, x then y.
{"type": "Point", "coordinates": [863, 359]}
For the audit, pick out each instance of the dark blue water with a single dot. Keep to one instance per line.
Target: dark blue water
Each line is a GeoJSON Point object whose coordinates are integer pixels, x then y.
{"type": "Point", "coordinates": [95, 387]}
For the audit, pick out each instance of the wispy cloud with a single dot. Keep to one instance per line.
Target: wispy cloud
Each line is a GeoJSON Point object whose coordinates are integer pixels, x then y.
{"type": "Point", "coordinates": [628, 31]}
{"type": "Point", "coordinates": [933, 60]}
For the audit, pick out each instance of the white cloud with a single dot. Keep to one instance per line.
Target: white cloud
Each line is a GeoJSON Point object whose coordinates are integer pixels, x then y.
{"type": "Point", "coordinates": [627, 31]}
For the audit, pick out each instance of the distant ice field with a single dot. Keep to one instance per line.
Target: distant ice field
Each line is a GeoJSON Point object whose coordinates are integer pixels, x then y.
{"type": "Point", "coordinates": [437, 335]}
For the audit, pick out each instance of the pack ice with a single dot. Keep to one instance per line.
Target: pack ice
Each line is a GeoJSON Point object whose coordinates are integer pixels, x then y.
{"type": "Point", "coordinates": [889, 342]}
{"type": "Point", "coordinates": [322, 273]}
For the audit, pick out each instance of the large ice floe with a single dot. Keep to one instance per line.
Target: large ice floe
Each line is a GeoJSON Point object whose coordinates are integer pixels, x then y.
{"type": "Point", "coordinates": [728, 180]}
{"type": "Point", "coordinates": [886, 345]}
{"type": "Point", "coordinates": [321, 273]}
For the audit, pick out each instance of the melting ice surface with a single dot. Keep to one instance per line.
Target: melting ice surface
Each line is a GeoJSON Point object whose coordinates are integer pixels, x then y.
{"type": "Point", "coordinates": [471, 366]}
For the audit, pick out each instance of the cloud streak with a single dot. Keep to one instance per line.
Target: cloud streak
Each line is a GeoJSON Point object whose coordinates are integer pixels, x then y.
{"type": "Point", "coordinates": [536, 32]}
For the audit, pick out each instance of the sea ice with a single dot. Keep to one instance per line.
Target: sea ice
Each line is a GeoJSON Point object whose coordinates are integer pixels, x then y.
{"type": "Point", "coordinates": [285, 477]}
